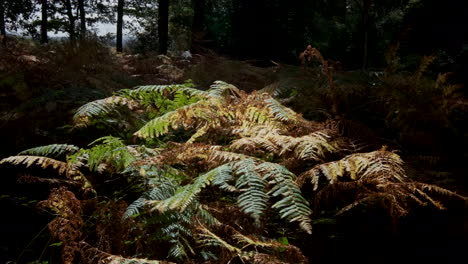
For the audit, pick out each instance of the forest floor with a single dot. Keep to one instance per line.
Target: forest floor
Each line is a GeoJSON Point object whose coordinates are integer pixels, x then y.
{"type": "Point", "coordinates": [420, 114]}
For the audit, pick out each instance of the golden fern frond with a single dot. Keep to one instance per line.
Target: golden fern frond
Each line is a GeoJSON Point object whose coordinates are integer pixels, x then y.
{"type": "Point", "coordinates": [314, 146]}
{"type": "Point", "coordinates": [426, 61]}
{"type": "Point", "coordinates": [208, 238]}
{"type": "Point", "coordinates": [54, 150]}
{"type": "Point", "coordinates": [90, 254]}
{"type": "Point", "coordinates": [257, 130]}
{"type": "Point", "coordinates": [374, 164]}
{"type": "Point", "coordinates": [100, 108]}
{"type": "Point", "coordinates": [43, 162]}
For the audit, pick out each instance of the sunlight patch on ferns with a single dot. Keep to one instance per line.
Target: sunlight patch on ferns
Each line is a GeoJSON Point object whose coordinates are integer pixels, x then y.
{"type": "Point", "coordinates": [43, 162]}
{"type": "Point", "coordinates": [381, 163]}
{"type": "Point", "coordinates": [91, 254]}
{"type": "Point", "coordinates": [310, 147]}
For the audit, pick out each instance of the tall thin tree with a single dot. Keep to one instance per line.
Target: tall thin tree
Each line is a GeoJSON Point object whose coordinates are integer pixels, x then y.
{"type": "Point", "coordinates": [44, 22]}
{"type": "Point", "coordinates": [71, 20]}
{"type": "Point", "coordinates": [163, 25]}
{"type": "Point", "coordinates": [81, 8]}
{"type": "Point", "coordinates": [2, 22]}
{"type": "Point", "coordinates": [120, 11]}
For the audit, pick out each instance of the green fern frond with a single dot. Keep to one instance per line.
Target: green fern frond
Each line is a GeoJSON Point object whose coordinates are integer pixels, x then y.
{"type": "Point", "coordinates": [101, 107]}
{"type": "Point", "coordinates": [171, 120]}
{"type": "Point", "coordinates": [185, 195]}
{"type": "Point", "coordinates": [253, 198]}
{"type": "Point", "coordinates": [109, 150]}
{"type": "Point", "coordinates": [221, 89]}
{"type": "Point", "coordinates": [292, 205]}
{"type": "Point", "coordinates": [279, 111]}
{"type": "Point", "coordinates": [156, 127]}
{"type": "Point", "coordinates": [164, 189]}
{"type": "Point", "coordinates": [168, 88]}
{"type": "Point", "coordinates": [51, 151]}
{"type": "Point", "coordinates": [222, 178]}
{"type": "Point", "coordinates": [206, 217]}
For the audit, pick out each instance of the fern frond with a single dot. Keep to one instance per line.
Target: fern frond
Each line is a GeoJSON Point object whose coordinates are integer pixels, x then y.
{"type": "Point", "coordinates": [156, 127]}
{"type": "Point", "coordinates": [253, 198]}
{"type": "Point", "coordinates": [43, 162]}
{"type": "Point", "coordinates": [206, 217]}
{"type": "Point", "coordinates": [168, 88]}
{"type": "Point", "coordinates": [101, 107]}
{"type": "Point", "coordinates": [374, 164]}
{"type": "Point", "coordinates": [279, 111]}
{"type": "Point", "coordinates": [92, 254]}
{"type": "Point", "coordinates": [184, 116]}
{"type": "Point", "coordinates": [111, 150]}
{"type": "Point", "coordinates": [222, 178]}
{"type": "Point", "coordinates": [221, 89]}
{"type": "Point", "coordinates": [292, 205]}
{"type": "Point", "coordinates": [51, 151]}
{"type": "Point", "coordinates": [164, 189]}
{"type": "Point", "coordinates": [314, 146]}
{"type": "Point", "coordinates": [208, 238]}
{"type": "Point", "coordinates": [185, 195]}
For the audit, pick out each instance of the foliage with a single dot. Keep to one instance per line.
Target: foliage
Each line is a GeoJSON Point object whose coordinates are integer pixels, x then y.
{"type": "Point", "coordinates": [237, 158]}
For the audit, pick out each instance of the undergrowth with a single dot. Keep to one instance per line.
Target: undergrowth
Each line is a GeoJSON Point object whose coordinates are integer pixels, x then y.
{"type": "Point", "coordinates": [210, 176]}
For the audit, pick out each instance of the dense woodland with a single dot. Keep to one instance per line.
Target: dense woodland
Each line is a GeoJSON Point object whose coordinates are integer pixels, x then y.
{"type": "Point", "coordinates": [233, 131]}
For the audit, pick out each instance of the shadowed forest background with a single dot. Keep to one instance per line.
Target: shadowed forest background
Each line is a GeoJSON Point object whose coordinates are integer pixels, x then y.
{"type": "Point", "coordinates": [233, 131]}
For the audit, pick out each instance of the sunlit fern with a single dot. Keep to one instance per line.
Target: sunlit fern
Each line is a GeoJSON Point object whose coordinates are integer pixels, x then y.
{"type": "Point", "coordinates": [255, 183]}
{"type": "Point", "coordinates": [52, 151]}
{"type": "Point", "coordinates": [315, 146]}
{"type": "Point", "coordinates": [43, 162]}
{"type": "Point", "coordinates": [90, 254]}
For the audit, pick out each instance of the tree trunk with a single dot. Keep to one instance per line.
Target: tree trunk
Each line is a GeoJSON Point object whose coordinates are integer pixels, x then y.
{"type": "Point", "coordinates": [120, 8]}
{"type": "Point", "coordinates": [198, 23]}
{"type": "Point", "coordinates": [163, 25]}
{"type": "Point", "coordinates": [2, 22]}
{"type": "Point", "coordinates": [365, 20]}
{"type": "Point", "coordinates": [71, 21]}
{"type": "Point", "coordinates": [44, 8]}
{"type": "Point", "coordinates": [81, 7]}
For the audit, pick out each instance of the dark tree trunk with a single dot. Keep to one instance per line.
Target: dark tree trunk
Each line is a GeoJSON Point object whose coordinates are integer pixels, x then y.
{"type": "Point", "coordinates": [71, 20]}
{"type": "Point", "coordinates": [120, 8]}
{"type": "Point", "coordinates": [2, 22]}
{"type": "Point", "coordinates": [365, 21]}
{"type": "Point", "coordinates": [163, 25]}
{"type": "Point", "coordinates": [198, 25]}
{"type": "Point", "coordinates": [44, 8]}
{"type": "Point", "coordinates": [81, 7]}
